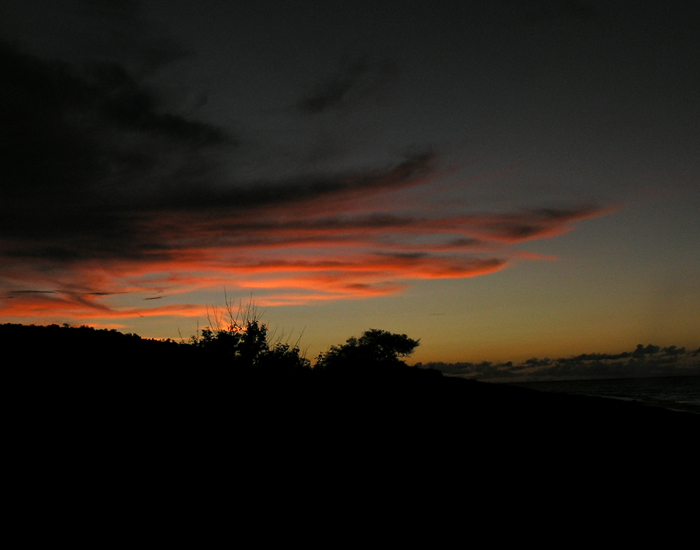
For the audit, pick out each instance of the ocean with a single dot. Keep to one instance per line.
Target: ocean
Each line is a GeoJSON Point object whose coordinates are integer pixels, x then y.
{"type": "Point", "coordinates": [681, 393]}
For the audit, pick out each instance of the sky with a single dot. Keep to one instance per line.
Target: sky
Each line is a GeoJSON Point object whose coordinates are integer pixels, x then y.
{"type": "Point", "coordinates": [501, 179]}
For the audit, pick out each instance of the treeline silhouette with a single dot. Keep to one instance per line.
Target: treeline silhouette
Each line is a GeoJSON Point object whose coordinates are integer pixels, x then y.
{"type": "Point", "coordinates": [361, 380]}
{"type": "Point", "coordinates": [244, 343]}
{"type": "Point", "coordinates": [66, 346]}
{"type": "Point", "coordinates": [237, 340]}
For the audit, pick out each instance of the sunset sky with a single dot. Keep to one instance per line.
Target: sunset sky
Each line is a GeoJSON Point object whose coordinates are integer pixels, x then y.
{"type": "Point", "coordinates": [500, 179]}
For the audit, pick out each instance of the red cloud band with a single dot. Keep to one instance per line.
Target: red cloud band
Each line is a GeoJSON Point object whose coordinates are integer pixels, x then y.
{"type": "Point", "coordinates": [340, 239]}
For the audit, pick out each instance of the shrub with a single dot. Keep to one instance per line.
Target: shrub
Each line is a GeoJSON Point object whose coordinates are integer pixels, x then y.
{"type": "Point", "coordinates": [375, 348]}
{"type": "Point", "coordinates": [239, 337]}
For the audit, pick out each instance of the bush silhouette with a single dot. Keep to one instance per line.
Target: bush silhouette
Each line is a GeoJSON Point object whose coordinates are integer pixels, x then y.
{"type": "Point", "coordinates": [375, 348]}
{"type": "Point", "coordinates": [240, 338]}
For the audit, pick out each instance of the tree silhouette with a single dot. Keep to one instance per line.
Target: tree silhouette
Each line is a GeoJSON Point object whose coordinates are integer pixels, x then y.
{"type": "Point", "coordinates": [375, 348]}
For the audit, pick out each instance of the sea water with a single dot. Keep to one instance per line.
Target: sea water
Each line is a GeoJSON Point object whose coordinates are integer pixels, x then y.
{"type": "Point", "coordinates": [680, 393]}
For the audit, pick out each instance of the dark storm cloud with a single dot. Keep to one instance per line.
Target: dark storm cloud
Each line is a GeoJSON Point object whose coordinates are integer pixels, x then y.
{"type": "Point", "coordinates": [95, 168]}
{"type": "Point", "coordinates": [81, 150]}
{"type": "Point", "coordinates": [90, 157]}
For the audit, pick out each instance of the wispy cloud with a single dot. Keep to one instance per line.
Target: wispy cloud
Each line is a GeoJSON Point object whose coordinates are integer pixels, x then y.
{"type": "Point", "coordinates": [106, 194]}
{"type": "Point", "coordinates": [353, 82]}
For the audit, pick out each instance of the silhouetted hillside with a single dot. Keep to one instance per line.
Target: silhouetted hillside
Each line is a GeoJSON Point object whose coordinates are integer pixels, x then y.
{"type": "Point", "coordinates": [362, 391]}
{"type": "Point", "coordinates": [66, 346]}
{"type": "Point", "coordinates": [100, 414]}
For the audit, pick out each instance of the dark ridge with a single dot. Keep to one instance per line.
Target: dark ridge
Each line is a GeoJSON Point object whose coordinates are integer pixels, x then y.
{"type": "Point", "coordinates": [115, 413]}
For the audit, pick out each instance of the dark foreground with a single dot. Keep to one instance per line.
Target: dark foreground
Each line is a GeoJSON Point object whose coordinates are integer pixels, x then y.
{"type": "Point", "coordinates": [107, 453]}
{"type": "Point", "coordinates": [208, 410]}
{"type": "Point", "coordinates": [104, 440]}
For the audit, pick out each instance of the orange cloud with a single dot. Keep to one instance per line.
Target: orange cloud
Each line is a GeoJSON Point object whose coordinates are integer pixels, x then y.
{"type": "Point", "coordinates": [322, 240]}
{"type": "Point", "coordinates": [106, 205]}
